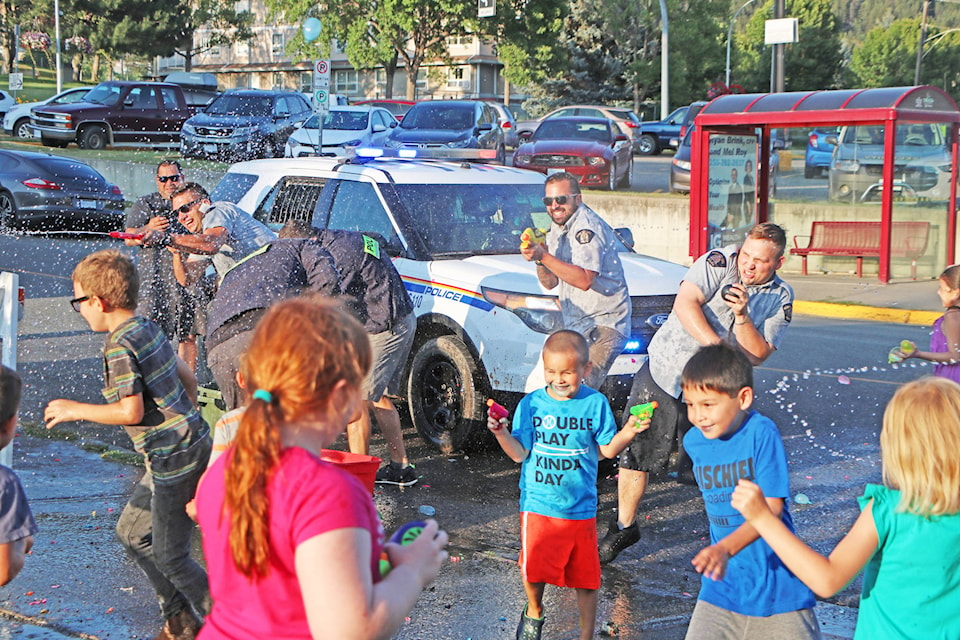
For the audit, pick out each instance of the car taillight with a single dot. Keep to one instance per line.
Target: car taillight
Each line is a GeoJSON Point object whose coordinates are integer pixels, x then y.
{"type": "Point", "coordinates": [813, 140]}
{"type": "Point", "coordinates": [115, 190]}
{"type": "Point", "coordinates": [40, 183]}
{"type": "Point", "coordinates": [631, 124]}
{"type": "Point", "coordinates": [506, 125]}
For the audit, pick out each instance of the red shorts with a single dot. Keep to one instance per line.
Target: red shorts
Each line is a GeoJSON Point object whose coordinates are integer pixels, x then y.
{"type": "Point", "coordinates": [559, 552]}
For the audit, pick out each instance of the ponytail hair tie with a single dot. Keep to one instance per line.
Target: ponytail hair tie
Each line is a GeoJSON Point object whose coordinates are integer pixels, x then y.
{"type": "Point", "coordinates": [263, 394]}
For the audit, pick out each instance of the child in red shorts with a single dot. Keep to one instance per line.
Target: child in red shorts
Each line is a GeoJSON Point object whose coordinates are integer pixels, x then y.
{"type": "Point", "coordinates": [558, 434]}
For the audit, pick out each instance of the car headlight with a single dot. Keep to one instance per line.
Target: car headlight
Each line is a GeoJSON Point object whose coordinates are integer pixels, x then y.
{"type": "Point", "coordinates": [523, 159]}
{"type": "Point", "coordinates": [352, 143]}
{"type": "Point", "coordinates": [460, 144]}
{"type": "Point", "coordinates": [540, 313]}
{"type": "Point", "coordinates": [188, 128]}
{"type": "Point", "coordinates": [682, 164]}
{"type": "Point", "coordinates": [244, 131]}
{"type": "Point", "coordinates": [850, 166]}
{"type": "Point", "coordinates": [595, 161]}
{"type": "Point", "coordinates": [390, 143]}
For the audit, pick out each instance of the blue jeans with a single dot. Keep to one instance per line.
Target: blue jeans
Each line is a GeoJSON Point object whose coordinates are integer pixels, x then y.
{"type": "Point", "coordinates": [155, 530]}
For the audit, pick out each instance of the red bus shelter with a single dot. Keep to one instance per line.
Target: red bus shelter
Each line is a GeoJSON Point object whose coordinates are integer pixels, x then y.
{"type": "Point", "coordinates": [735, 128]}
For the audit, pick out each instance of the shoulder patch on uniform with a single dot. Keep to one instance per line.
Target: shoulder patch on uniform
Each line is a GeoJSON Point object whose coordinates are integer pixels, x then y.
{"type": "Point", "coordinates": [716, 259]}
{"type": "Point", "coordinates": [788, 311]}
{"type": "Point", "coordinates": [371, 246]}
{"type": "Point", "coordinates": [584, 236]}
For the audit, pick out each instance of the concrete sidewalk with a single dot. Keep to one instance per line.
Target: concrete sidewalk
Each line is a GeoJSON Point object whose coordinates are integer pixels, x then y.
{"type": "Point", "coordinates": [908, 302]}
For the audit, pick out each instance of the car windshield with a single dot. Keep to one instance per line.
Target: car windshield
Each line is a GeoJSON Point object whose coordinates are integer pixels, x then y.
{"type": "Point", "coordinates": [341, 121]}
{"type": "Point", "coordinates": [624, 114]}
{"type": "Point", "coordinates": [439, 116]}
{"type": "Point", "coordinates": [104, 94]}
{"type": "Point", "coordinates": [241, 105]}
{"type": "Point", "coordinates": [565, 130]}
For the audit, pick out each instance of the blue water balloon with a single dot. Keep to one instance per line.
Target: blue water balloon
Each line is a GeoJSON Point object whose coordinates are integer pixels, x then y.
{"type": "Point", "coordinates": [311, 29]}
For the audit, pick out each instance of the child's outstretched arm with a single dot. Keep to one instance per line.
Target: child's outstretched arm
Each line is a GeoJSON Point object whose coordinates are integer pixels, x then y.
{"type": "Point", "coordinates": [12, 556]}
{"type": "Point", "coordinates": [128, 410]}
{"type": "Point", "coordinates": [341, 599]}
{"type": "Point", "coordinates": [825, 576]}
{"type": "Point", "coordinates": [623, 438]}
{"type": "Point", "coordinates": [510, 445]}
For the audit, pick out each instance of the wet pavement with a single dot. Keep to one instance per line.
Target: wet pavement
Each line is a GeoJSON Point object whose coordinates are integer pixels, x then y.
{"type": "Point", "coordinates": [77, 583]}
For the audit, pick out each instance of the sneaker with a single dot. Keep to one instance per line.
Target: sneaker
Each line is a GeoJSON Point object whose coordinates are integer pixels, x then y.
{"type": "Point", "coordinates": [617, 540]}
{"type": "Point", "coordinates": [182, 626]}
{"type": "Point", "coordinates": [393, 473]}
{"type": "Point", "coordinates": [529, 628]}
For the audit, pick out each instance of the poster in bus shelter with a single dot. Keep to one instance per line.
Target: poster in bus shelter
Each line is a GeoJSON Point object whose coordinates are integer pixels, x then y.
{"type": "Point", "coordinates": [732, 195]}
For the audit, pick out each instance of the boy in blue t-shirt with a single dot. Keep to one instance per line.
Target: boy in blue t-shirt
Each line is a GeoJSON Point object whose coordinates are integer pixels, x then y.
{"type": "Point", "coordinates": [17, 525]}
{"type": "Point", "coordinates": [746, 591]}
{"type": "Point", "coordinates": [557, 434]}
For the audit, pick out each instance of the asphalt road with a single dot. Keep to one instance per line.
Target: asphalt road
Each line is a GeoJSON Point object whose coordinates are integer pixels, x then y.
{"type": "Point", "coordinates": [825, 388]}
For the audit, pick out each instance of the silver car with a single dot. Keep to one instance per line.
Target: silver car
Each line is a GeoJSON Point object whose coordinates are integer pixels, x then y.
{"type": "Point", "coordinates": [508, 124]}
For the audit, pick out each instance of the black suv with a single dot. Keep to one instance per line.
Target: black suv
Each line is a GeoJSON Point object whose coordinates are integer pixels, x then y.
{"type": "Point", "coordinates": [242, 124]}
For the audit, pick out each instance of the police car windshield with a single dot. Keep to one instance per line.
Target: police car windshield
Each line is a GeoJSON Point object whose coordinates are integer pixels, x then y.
{"type": "Point", "coordinates": [474, 219]}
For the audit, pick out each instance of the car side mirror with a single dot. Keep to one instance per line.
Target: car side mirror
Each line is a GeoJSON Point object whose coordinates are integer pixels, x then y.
{"type": "Point", "coordinates": [625, 235]}
{"type": "Point", "coordinates": [831, 140]}
{"type": "Point", "coordinates": [621, 137]}
{"type": "Point", "coordinates": [378, 128]}
{"type": "Point", "coordinates": [486, 126]}
{"type": "Point", "coordinates": [128, 102]}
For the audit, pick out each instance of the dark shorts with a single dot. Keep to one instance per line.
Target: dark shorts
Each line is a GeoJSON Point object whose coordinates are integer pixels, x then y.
{"type": "Point", "coordinates": [606, 344]}
{"type": "Point", "coordinates": [650, 449]}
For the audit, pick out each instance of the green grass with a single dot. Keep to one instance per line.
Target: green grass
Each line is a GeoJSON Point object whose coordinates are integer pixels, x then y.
{"type": "Point", "coordinates": [43, 86]}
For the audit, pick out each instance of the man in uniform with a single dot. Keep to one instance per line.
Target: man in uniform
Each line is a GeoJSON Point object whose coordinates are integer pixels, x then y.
{"type": "Point", "coordinates": [162, 299]}
{"type": "Point", "coordinates": [752, 314]}
{"type": "Point", "coordinates": [581, 257]}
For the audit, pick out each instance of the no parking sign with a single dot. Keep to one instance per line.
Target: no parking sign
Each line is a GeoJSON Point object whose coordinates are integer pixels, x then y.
{"type": "Point", "coordinates": [321, 84]}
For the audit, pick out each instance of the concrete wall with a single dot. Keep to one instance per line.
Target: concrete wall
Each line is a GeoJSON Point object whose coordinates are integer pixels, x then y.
{"type": "Point", "coordinates": [660, 222]}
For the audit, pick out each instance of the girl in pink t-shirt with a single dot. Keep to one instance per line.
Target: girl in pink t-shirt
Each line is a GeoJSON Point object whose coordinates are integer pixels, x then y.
{"type": "Point", "coordinates": [292, 542]}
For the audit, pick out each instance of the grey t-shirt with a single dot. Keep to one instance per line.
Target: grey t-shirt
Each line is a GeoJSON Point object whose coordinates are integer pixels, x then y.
{"type": "Point", "coordinates": [244, 234]}
{"type": "Point", "coordinates": [589, 242]}
{"type": "Point", "coordinates": [770, 307]}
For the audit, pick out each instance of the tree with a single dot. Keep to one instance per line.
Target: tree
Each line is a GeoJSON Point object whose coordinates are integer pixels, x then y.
{"type": "Point", "coordinates": [813, 62]}
{"type": "Point", "coordinates": [888, 56]}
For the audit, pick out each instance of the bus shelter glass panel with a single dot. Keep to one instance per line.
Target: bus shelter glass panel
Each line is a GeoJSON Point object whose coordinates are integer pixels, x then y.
{"type": "Point", "coordinates": [732, 194]}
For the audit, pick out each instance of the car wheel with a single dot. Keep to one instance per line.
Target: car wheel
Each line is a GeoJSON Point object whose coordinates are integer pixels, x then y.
{"type": "Point", "coordinates": [446, 401]}
{"type": "Point", "coordinates": [93, 138]}
{"type": "Point", "coordinates": [523, 136]}
{"type": "Point", "coordinates": [649, 145]}
{"type": "Point", "coordinates": [21, 128]}
{"type": "Point", "coordinates": [626, 181]}
{"type": "Point", "coordinates": [612, 178]}
{"type": "Point", "coordinates": [8, 212]}
{"type": "Point", "coordinates": [809, 172]}
{"type": "Point", "coordinates": [50, 142]}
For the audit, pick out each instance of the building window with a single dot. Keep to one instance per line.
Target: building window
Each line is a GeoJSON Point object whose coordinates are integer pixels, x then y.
{"type": "Point", "coordinates": [215, 51]}
{"type": "Point", "coordinates": [345, 81]}
{"type": "Point", "coordinates": [278, 80]}
{"type": "Point", "coordinates": [458, 77]}
{"type": "Point", "coordinates": [276, 47]}
{"type": "Point", "coordinates": [462, 40]}
{"type": "Point", "coordinates": [306, 82]}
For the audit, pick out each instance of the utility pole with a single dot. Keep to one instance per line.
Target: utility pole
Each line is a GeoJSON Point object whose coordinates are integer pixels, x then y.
{"type": "Point", "coordinates": [923, 36]}
{"type": "Point", "coordinates": [778, 67]}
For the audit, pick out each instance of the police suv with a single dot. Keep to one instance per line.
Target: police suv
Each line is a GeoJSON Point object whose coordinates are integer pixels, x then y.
{"type": "Point", "coordinates": [453, 230]}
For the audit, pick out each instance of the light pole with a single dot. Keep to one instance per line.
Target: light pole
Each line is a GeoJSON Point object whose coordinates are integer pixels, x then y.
{"type": "Point", "coordinates": [730, 36]}
{"type": "Point", "coordinates": [665, 62]}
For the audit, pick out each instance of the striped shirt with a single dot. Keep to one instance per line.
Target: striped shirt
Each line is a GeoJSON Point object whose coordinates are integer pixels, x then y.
{"type": "Point", "coordinates": [138, 359]}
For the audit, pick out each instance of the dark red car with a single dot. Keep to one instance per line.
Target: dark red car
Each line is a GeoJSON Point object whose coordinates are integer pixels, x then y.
{"type": "Point", "coordinates": [593, 149]}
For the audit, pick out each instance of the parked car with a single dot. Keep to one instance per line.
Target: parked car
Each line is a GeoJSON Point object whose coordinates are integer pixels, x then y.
{"type": "Point", "coordinates": [243, 124]}
{"type": "Point", "coordinates": [592, 149]}
{"type": "Point", "coordinates": [398, 108]}
{"type": "Point", "coordinates": [816, 161]}
{"type": "Point", "coordinates": [344, 129]}
{"type": "Point", "coordinates": [662, 134]}
{"type": "Point", "coordinates": [450, 129]}
{"type": "Point", "coordinates": [56, 193]}
{"type": "Point", "coordinates": [922, 163]}
{"type": "Point", "coordinates": [7, 102]}
{"type": "Point", "coordinates": [199, 89]}
{"type": "Point", "coordinates": [680, 167]}
{"type": "Point", "coordinates": [115, 113]}
{"type": "Point", "coordinates": [626, 120]}
{"type": "Point", "coordinates": [693, 109]}
{"type": "Point", "coordinates": [17, 120]}
{"type": "Point", "coordinates": [508, 124]}
{"type": "Point", "coordinates": [453, 231]}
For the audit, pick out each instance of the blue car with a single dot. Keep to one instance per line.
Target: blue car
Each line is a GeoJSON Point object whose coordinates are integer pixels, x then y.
{"type": "Point", "coordinates": [819, 152]}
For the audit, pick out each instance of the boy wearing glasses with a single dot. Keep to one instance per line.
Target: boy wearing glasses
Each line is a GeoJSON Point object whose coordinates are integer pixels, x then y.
{"type": "Point", "coordinates": [151, 393]}
{"type": "Point", "coordinates": [162, 299]}
{"type": "Point", "coordinates": [581, 258]}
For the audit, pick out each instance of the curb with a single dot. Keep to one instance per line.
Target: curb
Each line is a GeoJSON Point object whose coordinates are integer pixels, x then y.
{"type": "Point", "coordinates": [861, 312]}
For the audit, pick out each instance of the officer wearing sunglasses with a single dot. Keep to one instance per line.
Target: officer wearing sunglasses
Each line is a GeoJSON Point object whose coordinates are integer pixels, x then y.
{"type": "Point", "coordinates": [162, 299]}
{"type": "Point", "coordinates": [581, 258]}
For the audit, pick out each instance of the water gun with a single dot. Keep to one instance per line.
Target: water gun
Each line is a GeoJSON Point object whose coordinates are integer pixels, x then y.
{"type": "Point", "coordinates": [497, 411]}
{"type": "Point", "coordinates": [905, 348]}
{"type": "Point", "coordinates": [402, 536]}
{"type": "Point", "coordinates": [531, 236]}
{"type": "Point", "coordinates": [644, 411]}
{"type": "Point", "coordinates": [123, 235]}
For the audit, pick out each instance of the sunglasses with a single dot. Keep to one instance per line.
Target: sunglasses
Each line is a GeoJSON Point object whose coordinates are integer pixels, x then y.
{"type": "Point", "coordinates": [75, 303]}
{"type": "Point", "coordinates": [185, 208]}
{"type": "Point", "coordinates": [175, 178]}
{"type": "Point", "coordinates": [561, 200]}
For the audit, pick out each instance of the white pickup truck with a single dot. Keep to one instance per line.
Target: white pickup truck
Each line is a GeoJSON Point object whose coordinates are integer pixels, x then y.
{"type": "Point", "coordinates": [453, 229]}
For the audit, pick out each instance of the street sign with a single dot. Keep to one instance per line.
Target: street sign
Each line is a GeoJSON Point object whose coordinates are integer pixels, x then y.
{"type": "Point", "coordinates": [321, 85]}
{"type": "Point", "coordinates": [16, 82]}
{"type": "Point", "coordinates": [486, 8]}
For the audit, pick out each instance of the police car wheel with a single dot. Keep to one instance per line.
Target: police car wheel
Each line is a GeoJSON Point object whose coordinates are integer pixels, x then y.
{"type": "Point", "coordinates": [446, 401]}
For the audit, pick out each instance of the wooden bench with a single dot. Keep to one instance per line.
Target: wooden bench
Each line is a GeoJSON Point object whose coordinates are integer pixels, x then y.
{"type": "Point", "coordinates": [861, 239]}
